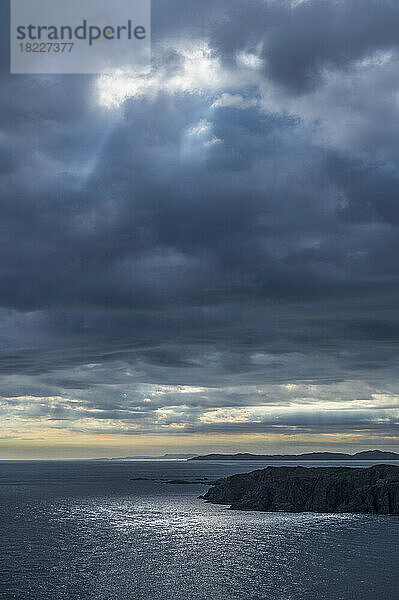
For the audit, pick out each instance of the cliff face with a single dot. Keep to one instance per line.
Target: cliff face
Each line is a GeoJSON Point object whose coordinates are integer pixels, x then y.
{"type": "Point", "coordinates": [299, 489]}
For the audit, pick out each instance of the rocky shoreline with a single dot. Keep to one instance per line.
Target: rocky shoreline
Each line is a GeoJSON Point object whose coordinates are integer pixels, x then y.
{"type": "Point", "coordinates": [373, 490]}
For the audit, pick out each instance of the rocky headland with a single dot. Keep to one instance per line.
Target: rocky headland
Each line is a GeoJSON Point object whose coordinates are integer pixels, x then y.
{"type": "Point", "coordinates": [373, 490]}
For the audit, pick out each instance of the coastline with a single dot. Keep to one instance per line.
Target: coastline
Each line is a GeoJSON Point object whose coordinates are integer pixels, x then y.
{"type": "Point", "coordinates": [370, 490]}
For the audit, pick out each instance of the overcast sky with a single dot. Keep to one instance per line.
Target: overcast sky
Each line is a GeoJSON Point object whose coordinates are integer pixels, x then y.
{"type": "Point", "coordinates": [206, 257]}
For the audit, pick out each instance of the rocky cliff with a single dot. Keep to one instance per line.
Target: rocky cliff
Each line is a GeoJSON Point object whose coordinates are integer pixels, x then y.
{"type": "Point", "coordinates": [299, 489]}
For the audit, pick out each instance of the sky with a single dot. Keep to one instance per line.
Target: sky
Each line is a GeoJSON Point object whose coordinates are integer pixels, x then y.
{"type": "Point", "coordinates": [205, 257]}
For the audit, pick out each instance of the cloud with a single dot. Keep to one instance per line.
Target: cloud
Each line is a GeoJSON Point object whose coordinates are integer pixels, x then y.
{"type": "Point", "coordinates": [233, 100]}
{"type": "Point", "coordinates": [226, 223]}
{"type": "Point", "coordinates": [193, 68]}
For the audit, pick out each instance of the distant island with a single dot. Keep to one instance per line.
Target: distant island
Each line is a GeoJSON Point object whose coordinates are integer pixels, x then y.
{"type": "Point", "coordinates": [366, 455]}
{"type": "Point", "coordinates": [309, 489]}
{"type": "Point", "coordinates": [163, 457]}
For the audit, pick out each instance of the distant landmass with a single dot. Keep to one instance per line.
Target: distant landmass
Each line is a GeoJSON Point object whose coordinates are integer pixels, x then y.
{"type": "Point", "coordinates": [366, 455]}
{"type": "Point", "coordinates": [164, 457]}
{"type": "Point", "coordinates": [310, 489]}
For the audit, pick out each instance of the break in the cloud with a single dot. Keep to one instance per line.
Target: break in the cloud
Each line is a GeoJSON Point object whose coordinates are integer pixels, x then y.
{"type": "Point", "coordinates": [206, 255]}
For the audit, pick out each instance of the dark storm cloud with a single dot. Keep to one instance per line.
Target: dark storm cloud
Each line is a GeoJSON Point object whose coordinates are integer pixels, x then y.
{"type": "Point", "coordinates": [191, 239]}
{"type": "Point", "coordinates": [301, 39]}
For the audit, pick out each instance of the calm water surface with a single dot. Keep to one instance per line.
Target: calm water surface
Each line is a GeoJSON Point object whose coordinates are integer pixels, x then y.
{"type": "Point", "coordinates": [83, 531]}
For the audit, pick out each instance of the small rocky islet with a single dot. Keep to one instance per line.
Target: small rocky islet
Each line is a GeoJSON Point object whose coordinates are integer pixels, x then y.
{"type": "Point", "coordinates": [197, 481]}
{"type": "Point", "coordinates": [372, 490]}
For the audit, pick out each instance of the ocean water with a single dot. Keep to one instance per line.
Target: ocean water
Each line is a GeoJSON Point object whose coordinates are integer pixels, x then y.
{"type": "Point", "coordinates": [81, 530]}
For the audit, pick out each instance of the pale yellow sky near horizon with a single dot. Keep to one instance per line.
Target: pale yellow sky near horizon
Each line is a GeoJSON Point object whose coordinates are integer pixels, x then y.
{"type": "Point", "coordinates": [64, 445]}
{"type": "Point", "coordinates": [297, 418]}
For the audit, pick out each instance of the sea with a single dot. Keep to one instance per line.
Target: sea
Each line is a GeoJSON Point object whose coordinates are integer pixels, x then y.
{"type": "Point", "coordinates": [83, 530]}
